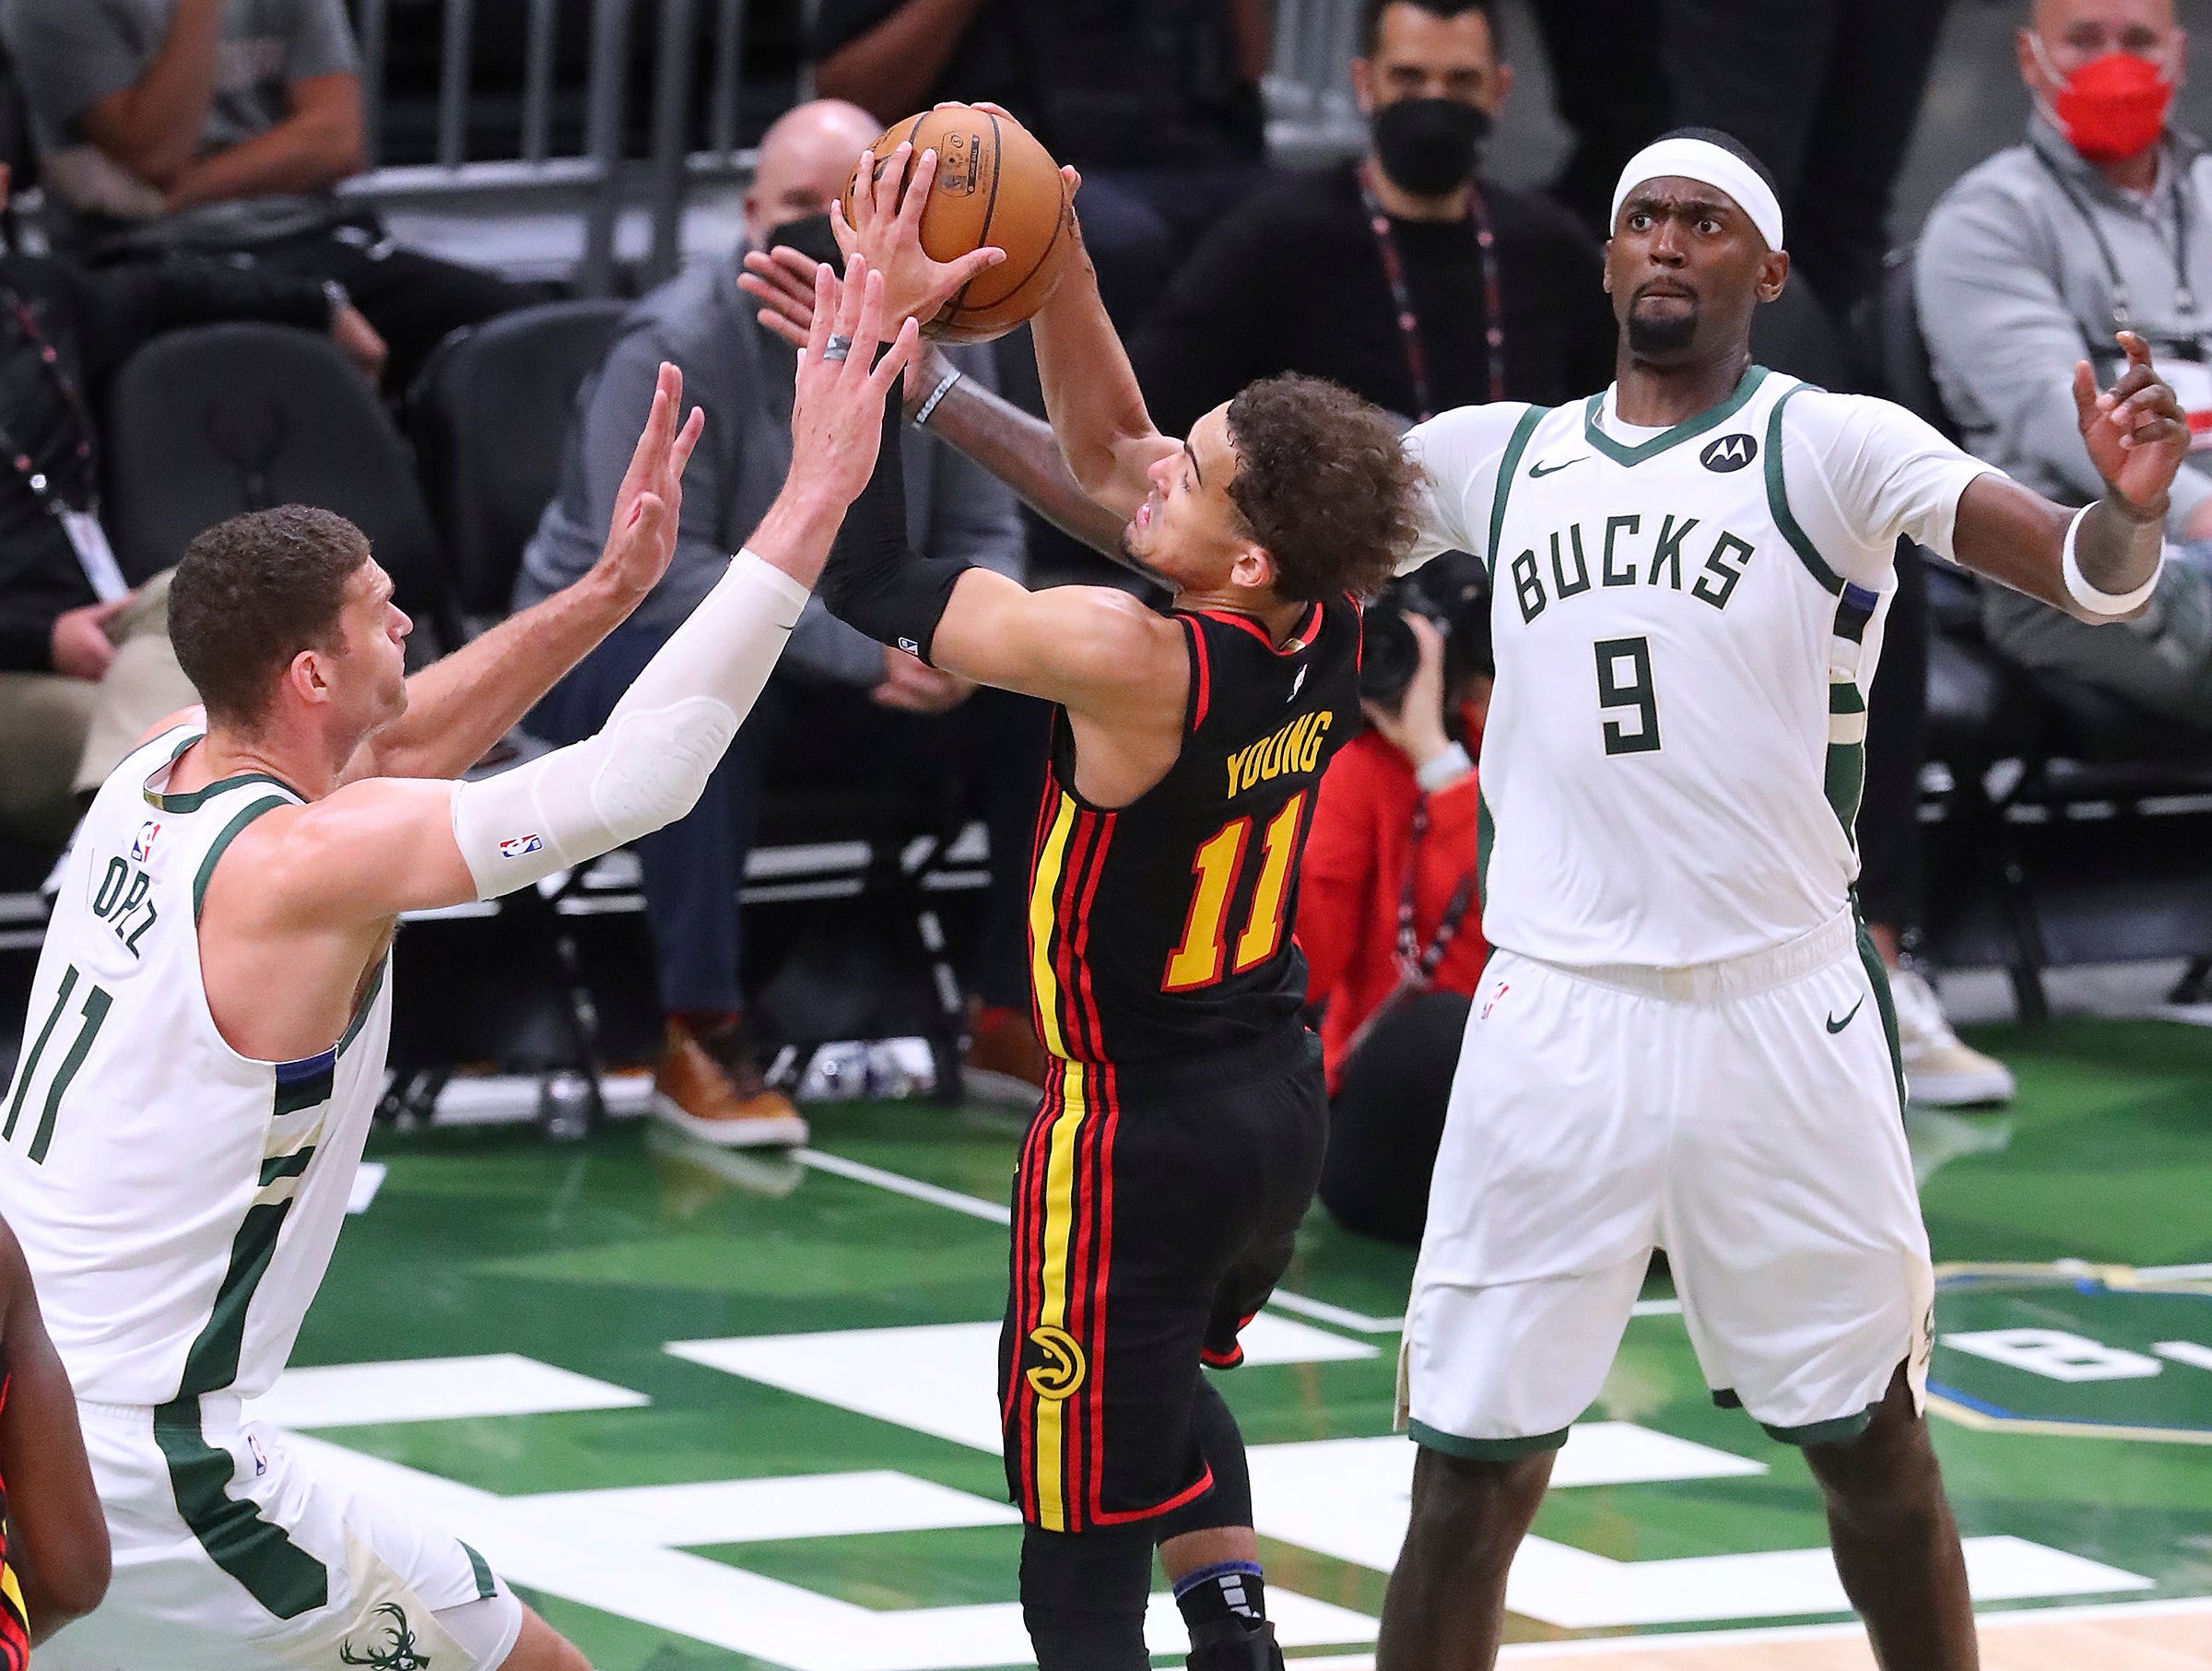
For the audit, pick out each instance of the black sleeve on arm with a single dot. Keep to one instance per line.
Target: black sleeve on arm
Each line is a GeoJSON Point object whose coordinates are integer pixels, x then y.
{"type": "Point", "coordinates": [873, 581]}
{"type": "Point", "coordinates": [124, 306]}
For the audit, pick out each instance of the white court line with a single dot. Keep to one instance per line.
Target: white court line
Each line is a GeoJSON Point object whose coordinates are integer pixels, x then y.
{"type": "Point", "coordinates": [976, 1207]}
{"type": "Point", "coordinates": [432, 1389]}
{"type": "Point", "coordinates": [2173, 1273]}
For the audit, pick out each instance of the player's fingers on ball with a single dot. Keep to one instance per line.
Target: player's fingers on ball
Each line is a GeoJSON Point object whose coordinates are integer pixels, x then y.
{"type": "Point", "coordinates": [842, 229]}
{"type": "Point", "coordinates": [917, 191]}
{"type": "Point", "coordinates": [889, 178]}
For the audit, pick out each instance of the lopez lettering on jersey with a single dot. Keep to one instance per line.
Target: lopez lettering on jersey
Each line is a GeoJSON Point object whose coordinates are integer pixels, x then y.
{"type": "Point", "coordinates": [1685, 624]}
{"type": "Point", "coordinates": [1163, 927]}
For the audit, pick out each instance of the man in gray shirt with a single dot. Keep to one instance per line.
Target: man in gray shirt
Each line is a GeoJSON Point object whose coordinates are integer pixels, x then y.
{"type": "Point", "coordinates": [222, 127]}
{"type": "Point", "coordinates": [841, 709]}
{"type": "Point", "coordinates": [2031, 262]}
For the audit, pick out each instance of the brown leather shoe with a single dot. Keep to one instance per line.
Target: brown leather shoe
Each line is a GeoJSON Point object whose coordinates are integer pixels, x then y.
{"type": "Point", "coordinates": [1005, 1062]}
{"type": "Point", "coordinates": [720, 1095]}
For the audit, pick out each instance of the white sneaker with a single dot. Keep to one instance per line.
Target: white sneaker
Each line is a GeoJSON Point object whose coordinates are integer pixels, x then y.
{"type": "Point", "coordinates": [1939, 1069]}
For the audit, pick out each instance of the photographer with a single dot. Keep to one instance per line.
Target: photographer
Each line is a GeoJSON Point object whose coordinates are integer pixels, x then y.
{"type": "Point", "coordinates": [1388, 914]}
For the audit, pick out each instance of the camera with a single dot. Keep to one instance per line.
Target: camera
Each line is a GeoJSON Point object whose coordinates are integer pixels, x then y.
{"type": "Point", "coordinates": [1452, 592]}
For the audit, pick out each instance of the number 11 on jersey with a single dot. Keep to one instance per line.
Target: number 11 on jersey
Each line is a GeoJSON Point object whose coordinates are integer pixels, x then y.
{"type": "Point", "coordinates": [1196, 961]}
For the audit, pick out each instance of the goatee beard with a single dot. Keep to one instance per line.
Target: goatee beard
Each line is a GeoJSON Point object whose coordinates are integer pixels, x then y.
{"type": "Point", "coordinates": [1651, 338]}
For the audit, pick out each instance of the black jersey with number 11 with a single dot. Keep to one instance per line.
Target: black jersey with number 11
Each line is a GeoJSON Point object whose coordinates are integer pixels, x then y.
{"type": "Point", "coordinates": [1163, 928]}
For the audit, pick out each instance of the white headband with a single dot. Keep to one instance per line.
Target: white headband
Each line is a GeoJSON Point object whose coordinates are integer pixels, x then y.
{"type": "Point", "coordinates": [1706, 162]}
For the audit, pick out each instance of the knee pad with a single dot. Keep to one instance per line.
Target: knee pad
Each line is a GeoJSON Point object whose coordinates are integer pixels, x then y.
{"type": "Point", "coordinates": [1083, 1597]}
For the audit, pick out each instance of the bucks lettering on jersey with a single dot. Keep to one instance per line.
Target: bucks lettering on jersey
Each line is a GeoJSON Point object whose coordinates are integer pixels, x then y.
{"type": "Point", "coordinates": [1163, 927]}
{"type": "Point", "coordinates": [1673, 757]}
{"type": "Point", "coordinates": [177, 1201]}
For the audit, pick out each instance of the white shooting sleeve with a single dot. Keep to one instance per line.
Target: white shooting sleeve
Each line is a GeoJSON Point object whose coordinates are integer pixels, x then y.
{"type": "Point", "coordinates": [649, 764]}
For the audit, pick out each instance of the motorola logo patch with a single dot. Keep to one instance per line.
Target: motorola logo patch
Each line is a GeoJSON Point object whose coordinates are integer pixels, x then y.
{"type": "Point", "coordinates": [1729, 453]}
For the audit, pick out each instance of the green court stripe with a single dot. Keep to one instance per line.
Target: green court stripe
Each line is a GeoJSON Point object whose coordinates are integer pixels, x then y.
{"type": "Point", "coordinates": [1878, 978]}
{"type": "Point", "coordinates": [1508, 466]}
{"type": "Point", "coordinates": [215, 849]}
{"type": "Point", "coordinates": [486, 1586]}
{"type": "Point", "coordinates": [97, 1004]}
{"type": "Point", "coordinates": [1622, 453]}
{"type": "Point", "coordinates": [1778, 501]}
{"type": "Point", "coordinates": [1485, 1450]}
{"type": "Point", "coordinates": [276, 1572]}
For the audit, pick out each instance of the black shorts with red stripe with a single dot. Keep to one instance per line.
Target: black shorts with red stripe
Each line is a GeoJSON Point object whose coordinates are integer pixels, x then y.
{"type": "Point", "coordinates": [1154, 1208]}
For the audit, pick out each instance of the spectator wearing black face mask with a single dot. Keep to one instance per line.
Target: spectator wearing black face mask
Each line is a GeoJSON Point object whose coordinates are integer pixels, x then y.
{"type": "Point", "coordinates": [1404, 275]}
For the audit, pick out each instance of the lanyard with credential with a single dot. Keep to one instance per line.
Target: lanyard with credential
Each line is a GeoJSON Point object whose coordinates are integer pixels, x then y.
{"type": "Point", "coordinates": [2185, 294]}
{"type": "Point", "coordinates": [82, 525]}
{"type": "Point", "coordinates": [1417, 966]}
{"type": "Point", "coordinates": [1410, 325]}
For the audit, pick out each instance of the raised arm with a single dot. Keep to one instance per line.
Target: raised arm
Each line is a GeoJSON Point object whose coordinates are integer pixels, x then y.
{"type": "Point", "coordinates": [57, 1538]}
{"type": "Point", "coordinates": [1016, 447]}
{"type": "Point", "coordinates": [380, 846]}
{"type": "Point", "coordinates": [2097, 564]}
{"type": "Point", "coordinates": [1098, 412]}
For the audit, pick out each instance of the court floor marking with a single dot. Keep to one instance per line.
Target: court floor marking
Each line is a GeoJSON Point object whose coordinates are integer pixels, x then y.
{"type": "Point", "coordinates": [432, 1389]}
{"type": "Point", "coordinates": [1349, 1497]}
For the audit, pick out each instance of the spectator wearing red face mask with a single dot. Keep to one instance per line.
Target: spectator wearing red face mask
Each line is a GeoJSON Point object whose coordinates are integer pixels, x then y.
{"type": "Point", "coordinates": [2102, 220]}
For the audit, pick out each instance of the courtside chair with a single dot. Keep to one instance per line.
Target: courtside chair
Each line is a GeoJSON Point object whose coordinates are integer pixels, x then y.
{"type": "Point", "coordinates": [490, 414]}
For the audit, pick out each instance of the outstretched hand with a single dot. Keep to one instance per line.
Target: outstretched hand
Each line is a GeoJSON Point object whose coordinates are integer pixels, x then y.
{"type": "Point", "coordinates": [648, 505]}
{"type": "Point", "coordinates": [890, 234]}
{"type": "Point", "coordinates": [836, 409]}
{"type": "Point", "coordinates": [2135, 433]}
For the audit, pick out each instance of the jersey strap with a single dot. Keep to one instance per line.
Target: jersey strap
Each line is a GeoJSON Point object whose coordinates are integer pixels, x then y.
{"type": "Point", "coordinates": [1778, 501]}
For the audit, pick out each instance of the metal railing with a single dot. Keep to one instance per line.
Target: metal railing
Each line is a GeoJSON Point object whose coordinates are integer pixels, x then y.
{"type": "Point", "coordinates": [601, 178]}
{"type": "Point", "coordinates": [1309, 107]}
{"type": "Point", "coordinates": [1308, 91]}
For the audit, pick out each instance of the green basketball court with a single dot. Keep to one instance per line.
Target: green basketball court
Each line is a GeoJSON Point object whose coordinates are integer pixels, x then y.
{"type": "Point", "coordinates": [713, 1409]}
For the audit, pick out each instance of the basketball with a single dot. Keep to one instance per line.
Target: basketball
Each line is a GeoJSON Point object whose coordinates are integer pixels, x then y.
{"type": "Point", "coordinates": [995, 185]}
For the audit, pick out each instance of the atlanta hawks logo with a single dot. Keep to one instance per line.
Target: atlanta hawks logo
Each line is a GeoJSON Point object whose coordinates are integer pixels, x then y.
{"type": "Point", "coordinates": [1062, 1369]}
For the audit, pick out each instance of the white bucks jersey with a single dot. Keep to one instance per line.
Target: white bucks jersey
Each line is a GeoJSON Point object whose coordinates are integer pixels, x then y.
{"type": "Point", "coordinates": [177, 1201]}
{"type": "Point", "coordinates": [1674, 753]}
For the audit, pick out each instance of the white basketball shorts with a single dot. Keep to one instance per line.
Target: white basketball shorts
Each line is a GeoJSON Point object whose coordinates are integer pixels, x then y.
{"type": "Point", "coordinates": [232, 1555]}
{"type": "Point", "coordinates": [1745, 1117]}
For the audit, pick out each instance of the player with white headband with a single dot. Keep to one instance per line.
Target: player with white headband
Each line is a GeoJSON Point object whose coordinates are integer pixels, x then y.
{"type": "Point", "coordinates": [1684, 1040]}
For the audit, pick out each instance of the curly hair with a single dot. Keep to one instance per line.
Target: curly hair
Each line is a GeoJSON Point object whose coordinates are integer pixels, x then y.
{"type": "Point", "coordinates": [252, 592]}
{"type": "Point", "coordinates": [1324, 484]}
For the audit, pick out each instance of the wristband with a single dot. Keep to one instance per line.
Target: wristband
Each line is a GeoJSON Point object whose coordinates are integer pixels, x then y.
{"type": "Point", "coordinates": [2109, 603]}
{"type": "Point", "coordinates": [1446, 769]}
{"type": "Point", "coordinates": [936, 395]}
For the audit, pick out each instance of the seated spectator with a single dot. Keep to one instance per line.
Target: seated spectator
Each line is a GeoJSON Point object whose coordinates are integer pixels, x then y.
{"type": "Point", "coordinates": [1402, 275]}
{"type": "Point", "coordinates": [847, 707]}
{"type": "Point", "coordinates": [85, 661]}
{"type": "Point", "coordinates": [2101, 221]}
{"type": "Point", "coordinates": [1387, 912]}
{"type": "Point", "coordinates": [195, 127]}
{"type": "Point", "coordinates": [1157, 101]}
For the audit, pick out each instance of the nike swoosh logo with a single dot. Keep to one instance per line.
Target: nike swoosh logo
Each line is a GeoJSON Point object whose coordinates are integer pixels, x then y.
{"type": "Point", "coordinates": [1536, 470]}
{"type": "Point", "coordinates": [1835, 1026]}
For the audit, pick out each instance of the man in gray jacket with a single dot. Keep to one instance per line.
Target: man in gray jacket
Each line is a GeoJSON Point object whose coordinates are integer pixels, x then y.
{"type": "Point", "coordinates": [2102, 220]}
{"type": "Point", "coordinates": [840, 705]}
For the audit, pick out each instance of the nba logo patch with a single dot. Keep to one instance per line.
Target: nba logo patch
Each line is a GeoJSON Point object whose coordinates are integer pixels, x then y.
{"type": "Point", "coordinates": [142, 844]}
{"type": "Point", "coordinates": [515, 847]}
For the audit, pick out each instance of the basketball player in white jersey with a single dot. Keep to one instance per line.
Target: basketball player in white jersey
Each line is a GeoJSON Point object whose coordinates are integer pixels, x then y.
{"type": "Point", "coordinates": [207, 1027]}
{"type": "Point", "coordinates": [1684, 1040]}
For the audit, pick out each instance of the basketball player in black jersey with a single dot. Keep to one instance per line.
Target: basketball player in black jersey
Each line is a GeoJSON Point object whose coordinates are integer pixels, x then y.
{"type": "Point", "coordinates": [1181, 1134]}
